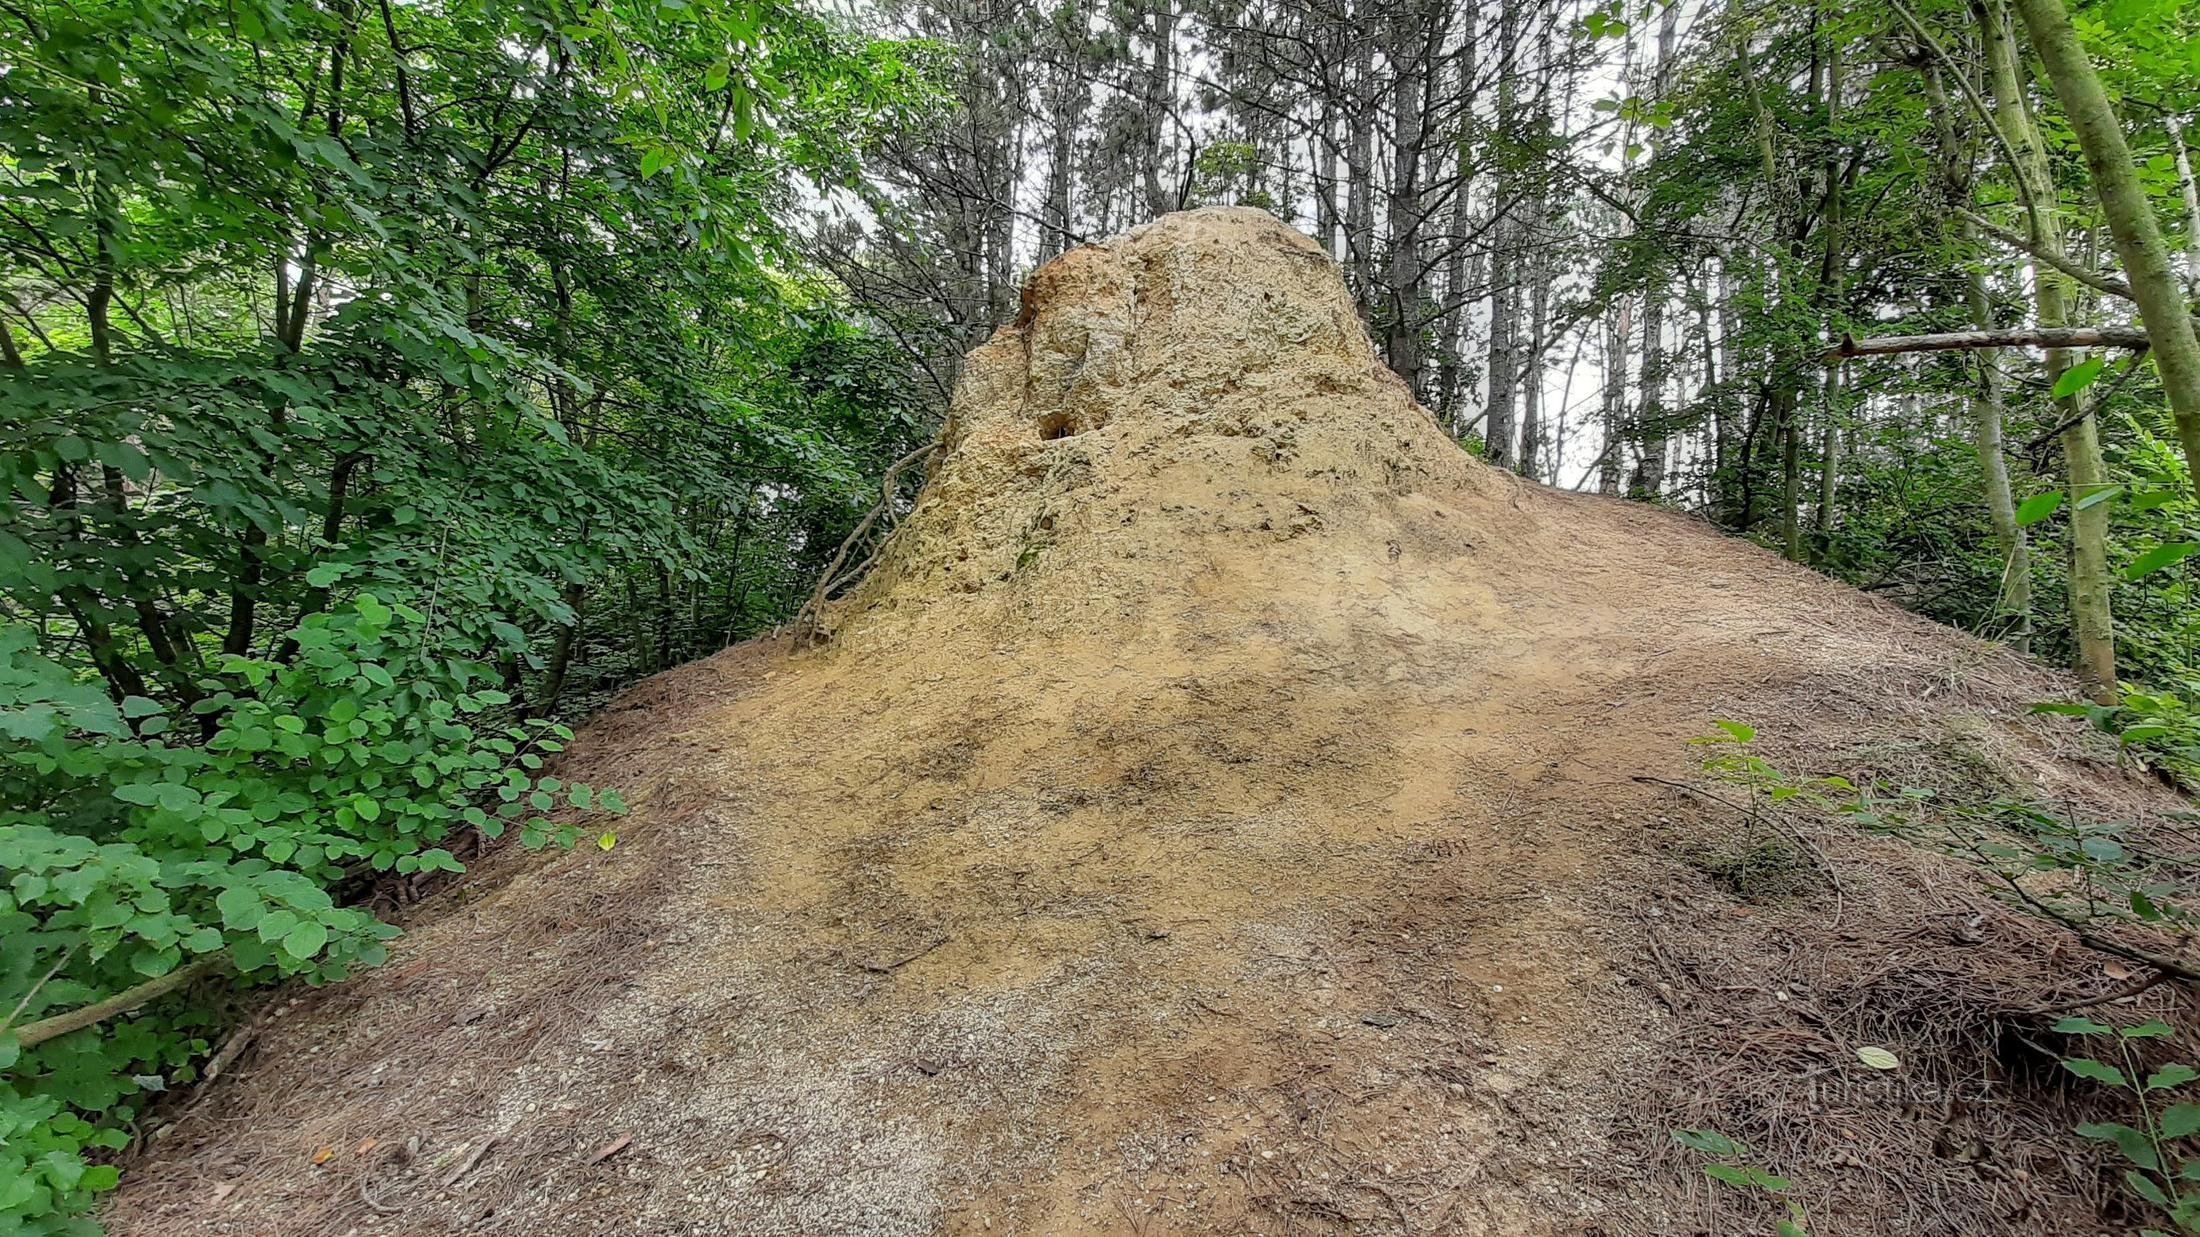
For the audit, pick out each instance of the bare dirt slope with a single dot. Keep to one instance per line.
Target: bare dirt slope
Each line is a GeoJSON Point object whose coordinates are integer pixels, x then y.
{"type": "Point", "coordinates": [1216, 812]}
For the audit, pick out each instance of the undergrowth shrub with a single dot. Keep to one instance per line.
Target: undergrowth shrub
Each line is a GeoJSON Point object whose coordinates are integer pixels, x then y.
{"type": "Point", "coordinates": [144, 847]}
{"type": "Point", "coordinates": [2161, 727]}
{"type": "Point", "coordinates": [2118, 888]}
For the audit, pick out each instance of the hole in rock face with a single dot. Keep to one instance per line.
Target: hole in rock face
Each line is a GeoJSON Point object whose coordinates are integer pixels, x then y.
{"type": "Point", "coordinates": [1056, 425]}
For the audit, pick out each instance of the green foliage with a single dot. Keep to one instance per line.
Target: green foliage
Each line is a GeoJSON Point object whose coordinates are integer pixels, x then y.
{"type": "Point", "coordinates": [354, 359]}
{"type": "Point", "coordinates": [2160, 1172]}
{"type": "Point", "coordinates": [131, 853]}
{"type": "Point", "coordinates": [2159, 726]}
{"type": "Point", "coordinates": [2089, 877]}
{"type": "Point", "coordinates": [2085, 875]}
{"type": "Point", "coordinates": [1730, 1165]}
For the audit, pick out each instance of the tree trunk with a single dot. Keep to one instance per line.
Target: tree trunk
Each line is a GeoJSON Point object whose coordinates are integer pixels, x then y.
{"type": "Point", "coordinates": [1617, 326]}
{"type": "Point", "coordinates": [1531, 383]}
{"type": "Point", "coordinates": [1402, 342]}
{"type": "Point", "coordinates": [1649, 474]}
{"type": "Point", "coordinates": [1160, 96]}
{"type": "Point", "coordinates": [1985, 400]}
{"type": "Point", "coordinates": [1788, 420]}
{"type": "Point", "coordinates": [2168, 319]}
{"type": "Point", "coordinates": [2191, 192]}
{"type": "Point", "coordinates": [1648, 479]}
{"type": "Point", "coordinates": [1455, 240]}
{"type": "Point", "coordinates": [1359, 224]}
{"type": "Point", "coordinates": [1503, 379]}
{"type": "Point", "coordinates": [1833, 271]}
{"type": "Point", "coordinates": [1504, 367]}
{"type": "Point", "coordinates": [1068, 117]}
{"type": "Point", "coordinates": [2092, 626]}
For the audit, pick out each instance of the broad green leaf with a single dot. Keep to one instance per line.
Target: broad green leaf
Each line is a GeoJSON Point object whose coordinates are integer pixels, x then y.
{"type": "Point", "coordinates": [2180, 1120]}
{"type": "Point", "coordinates": [2038, 507]}
{"type": "Point", "coordinates": [2086, 1067]}
{"type": "Point", "coordinates": [241, 908]}
{"type": "Point", "coordinates": [1727, 1173]}
{"type": "Point", "coordinates": [2145, 1187]}
{"type": "Point", "coordinates": [2159, 557]}
{"type": "Point", "coordinates": [1710, 1142]}
{"type": "Point", "coordinates": [2132, 1142]}
{"type": "Point", "coordinates": [2172, 1075]}
{"type": "Point", "coordinates": [2078, 377]}
{"type": "Point", "coordinates": [305, 940]}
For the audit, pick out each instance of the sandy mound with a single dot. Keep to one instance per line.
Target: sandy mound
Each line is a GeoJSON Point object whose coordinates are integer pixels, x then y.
{"type": "Point", "coordinates": [1215, 812]}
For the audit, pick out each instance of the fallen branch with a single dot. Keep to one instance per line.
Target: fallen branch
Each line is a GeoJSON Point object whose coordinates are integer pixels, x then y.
{"type": "Point", "coordinates": [466, 1165]}
{"type": "Point", "coordinates": [35, 1033]}
{"type": "Point", "coordinates": [2174, 968]}
{"type": "Point", "coordinates": [2013, 337]}
{"type": "Point", "coordinates": [805, 620]}
{"type": "Point", "coordinates": [887, 968]}
{"type": "Point", "coordinates": [2155, 980]}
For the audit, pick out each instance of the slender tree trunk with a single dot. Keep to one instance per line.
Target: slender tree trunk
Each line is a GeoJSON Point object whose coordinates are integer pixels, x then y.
{"type": "Point", "coordinates": [561, 653]}
{"type": "Point", "coordinates": [1360, 167]}
{"type": "Point", "coordinates": [1985, 399]}
{"type": "Point", "coordinates": [1504, 367]}
{"type": "Point", "coordinates": [1829, 458]}
{"type": "Point", "coordinates": [1649, 474]}
{"type": "Point", "coordinates": [1160, 96]}
{"type": "Point", "coordinates": [2130, 216]}
{"type": "Point", "coordinates": [2092, 626]}
{"type": "Point", "coordinates": [1648, 480]}
{"type": "Point", "coordinates": [1617, 326]}
{"type": "Point", "coordinates": [1455, 239]}
{"type": "Point", "coordinates": [1833, 281]}
{"type": "Point", "coordinates": [2191, 194]}
{"type": "Point", "coordinates": [1531, 387]}
{"type": "Point", "coordinates": [1788, 420]}
{"type": "Point", "coordinates": [1719, 364]}
{"type": "Point", "coordinates": [1402, 343]}
{"type": "Point", "coordinates": [1327, 220]}
{"type": "Point", "coordinates": [1068, 117]}
{"type": "Point", "coordinates": [1503, 378]}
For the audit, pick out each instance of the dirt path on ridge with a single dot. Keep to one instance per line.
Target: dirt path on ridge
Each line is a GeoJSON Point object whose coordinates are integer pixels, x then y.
{"type": "Point", "coordinates": [1217, 817]}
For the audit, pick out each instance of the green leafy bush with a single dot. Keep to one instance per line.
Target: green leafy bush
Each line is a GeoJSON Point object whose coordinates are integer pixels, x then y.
{"type": "Point", "coordinates": [2162, 1171]}
{"type": "Point", "coordinates": [132, 859]}
{"type": "Point", "coordinates": [385, 383]}
{"type": "Point", "coordinates": [2157, 725]}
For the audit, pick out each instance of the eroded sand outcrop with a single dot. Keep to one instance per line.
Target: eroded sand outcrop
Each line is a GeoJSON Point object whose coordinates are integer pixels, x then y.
{"type": "Point", "coordinates": [1214, 813]}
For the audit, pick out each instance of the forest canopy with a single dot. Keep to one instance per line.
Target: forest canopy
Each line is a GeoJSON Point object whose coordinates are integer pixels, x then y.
{"type": "Point", "coordinates": [386, 383]}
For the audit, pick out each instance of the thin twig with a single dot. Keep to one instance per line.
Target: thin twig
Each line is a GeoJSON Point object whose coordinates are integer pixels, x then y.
{"type": "Point", "coordinates": [884, 968]}
{"type": "Point", "coordinates": [52, 971]}
{"type": "Point", "coordinates": [2155, 980]}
